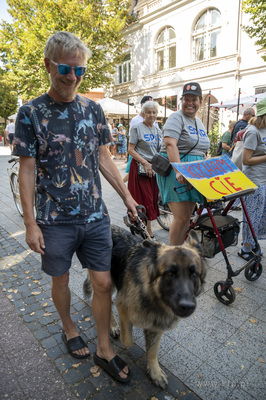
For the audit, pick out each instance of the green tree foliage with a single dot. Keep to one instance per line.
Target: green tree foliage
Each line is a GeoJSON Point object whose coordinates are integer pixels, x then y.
{"type": "Point", "coordinates": [8, 97]}
{"type": "Point", "coordinates": [257, 30]}
{"type": "Point", "coordinates": [214, 137]}
{"type": "Point", "coordinates": [98, 24]}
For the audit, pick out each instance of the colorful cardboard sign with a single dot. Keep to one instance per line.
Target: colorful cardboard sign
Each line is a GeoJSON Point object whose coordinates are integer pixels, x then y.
{"type": "Point", "coordinates": [215, 177]}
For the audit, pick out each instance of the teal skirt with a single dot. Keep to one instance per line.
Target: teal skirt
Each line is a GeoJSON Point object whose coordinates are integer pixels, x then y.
{"type": "Point", "coordinates": [167, 185]}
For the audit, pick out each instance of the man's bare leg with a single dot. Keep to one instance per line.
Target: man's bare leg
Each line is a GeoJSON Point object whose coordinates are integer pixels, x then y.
{"type": "Point", "coordinates": [61, 297]}
{"type": "Point", "coordinates": [101, 310]}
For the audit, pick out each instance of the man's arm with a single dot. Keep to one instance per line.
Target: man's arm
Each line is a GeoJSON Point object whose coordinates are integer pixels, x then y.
{"type": "Point", "coordinates": [34, 237]}
{"type": "Point", "coordinates": [112, 175]}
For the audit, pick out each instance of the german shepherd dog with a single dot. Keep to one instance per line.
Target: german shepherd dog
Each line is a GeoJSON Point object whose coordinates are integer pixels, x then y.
{"type": "Point", "coordinates": [156, 285]}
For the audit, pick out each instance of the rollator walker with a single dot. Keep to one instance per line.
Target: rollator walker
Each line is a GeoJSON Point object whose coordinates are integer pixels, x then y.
{"type": "Point", "coordinates": [218, 229]}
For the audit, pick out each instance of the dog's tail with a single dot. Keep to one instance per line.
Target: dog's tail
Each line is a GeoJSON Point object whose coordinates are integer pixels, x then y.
{"type": "Point", "coordinates": [87, 288]}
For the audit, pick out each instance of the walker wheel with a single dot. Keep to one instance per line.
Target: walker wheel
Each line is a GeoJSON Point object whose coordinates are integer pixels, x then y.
{"type": "Point", "coordinates": [253, 272]}
{"type": "Point", "coordinates": [224, 294]}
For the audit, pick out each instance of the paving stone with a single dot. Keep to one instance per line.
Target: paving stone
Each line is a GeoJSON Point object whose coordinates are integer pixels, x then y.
{"type": "Point", "coordinates": [85, 389]}
{"type": "Point", "coordinates": [41, 333]}
{"type": "Point", "coordinates": [49, 343]}
{"type": "Point", "coordinates": [175, 386]}
{"type": "Point", "coordinates": [54, 352]}
{"type": "Point", "coordinates": [64, 363]}
{"type": "Point", "coordinates": [72, 376]}
{"type": "Point", "coordinates": [135, 352]}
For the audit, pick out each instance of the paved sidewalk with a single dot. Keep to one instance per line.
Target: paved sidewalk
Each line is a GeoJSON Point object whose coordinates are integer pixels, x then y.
{"type": "Point", "coordinates": [218, 353]}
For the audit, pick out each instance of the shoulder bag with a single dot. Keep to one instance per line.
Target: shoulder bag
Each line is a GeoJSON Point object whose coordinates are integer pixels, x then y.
{"type": "Point", "coordinates": [162, 166]}
{"type": "Point", "coordinates": [141, 169]}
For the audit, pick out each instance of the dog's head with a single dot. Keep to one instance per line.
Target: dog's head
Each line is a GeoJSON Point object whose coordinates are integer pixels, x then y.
{"type": "Point", "coordinates": [177, 274]}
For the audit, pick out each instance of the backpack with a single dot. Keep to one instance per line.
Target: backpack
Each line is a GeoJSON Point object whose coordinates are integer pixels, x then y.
{"type": "Point", "coordinates": [219, 149]}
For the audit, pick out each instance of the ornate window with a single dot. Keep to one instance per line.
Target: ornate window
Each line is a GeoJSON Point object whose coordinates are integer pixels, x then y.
{"type": "Point", "coordinates": [206, 35]}
{"type": "Point", "coordinates": [165, 49]}
{"type": "Point", "coordinates": [124, 70]}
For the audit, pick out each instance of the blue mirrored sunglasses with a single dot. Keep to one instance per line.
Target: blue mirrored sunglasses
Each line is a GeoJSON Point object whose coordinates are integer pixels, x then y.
{"type": "Point", "coordinates": [65, 69]}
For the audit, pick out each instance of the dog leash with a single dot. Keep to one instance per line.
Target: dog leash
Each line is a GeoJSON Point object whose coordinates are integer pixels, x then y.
{"type": "Point", "coordinates": [139, 226]}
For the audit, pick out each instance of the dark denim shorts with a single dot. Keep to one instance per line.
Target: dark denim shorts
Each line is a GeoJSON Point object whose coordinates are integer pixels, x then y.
{"type": "Point", "coordinates": [92, 243]}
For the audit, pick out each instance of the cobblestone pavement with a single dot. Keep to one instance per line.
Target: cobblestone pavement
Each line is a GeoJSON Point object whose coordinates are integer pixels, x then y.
{"type": "Point", "coordinates": [218, 353]}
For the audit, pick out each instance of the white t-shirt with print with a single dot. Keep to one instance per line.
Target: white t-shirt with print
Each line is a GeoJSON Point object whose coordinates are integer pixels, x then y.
{"type": "Point", "coordinates": [187, 132]}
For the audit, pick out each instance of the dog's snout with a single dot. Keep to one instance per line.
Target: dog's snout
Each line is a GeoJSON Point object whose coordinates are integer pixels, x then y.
{"type": "Point", "coordinates": [186, 307]}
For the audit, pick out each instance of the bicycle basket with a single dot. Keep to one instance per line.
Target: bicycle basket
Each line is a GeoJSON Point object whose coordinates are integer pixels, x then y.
{"type": "Point", "coordinates": [228, 228]}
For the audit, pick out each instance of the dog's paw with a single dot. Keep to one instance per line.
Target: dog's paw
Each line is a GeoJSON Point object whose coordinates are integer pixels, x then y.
{"type": "Point", "coordinates": [115, 332]}
{"type": "Point", "coordinates": [157, 376]}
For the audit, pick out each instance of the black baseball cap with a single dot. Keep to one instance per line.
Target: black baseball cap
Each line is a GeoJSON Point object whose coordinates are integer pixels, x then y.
{"type": "Point", "coordinates": [146, 98]}
{"type": "Point", "coordinates": [192, 88]}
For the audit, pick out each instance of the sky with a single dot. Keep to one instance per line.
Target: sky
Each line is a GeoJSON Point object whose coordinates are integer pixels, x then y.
{"type": "Point", "coordinates": [3, 11]}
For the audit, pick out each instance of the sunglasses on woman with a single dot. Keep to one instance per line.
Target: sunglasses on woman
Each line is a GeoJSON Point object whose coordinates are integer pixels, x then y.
{"type": "Point", "coordinates": [65, 69]}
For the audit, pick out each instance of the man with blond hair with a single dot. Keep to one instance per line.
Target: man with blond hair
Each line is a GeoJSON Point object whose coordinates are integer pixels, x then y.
{"type": "Point", "coordinates": [65, 136]}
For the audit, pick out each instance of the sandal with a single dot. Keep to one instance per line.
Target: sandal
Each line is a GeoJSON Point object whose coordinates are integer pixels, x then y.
{"type": "Point", "coordinates": [245, 255]}
{"type": "Point", "coordinates": [74, 344]}
{"type": "Point", "coordinates": [113, 367]}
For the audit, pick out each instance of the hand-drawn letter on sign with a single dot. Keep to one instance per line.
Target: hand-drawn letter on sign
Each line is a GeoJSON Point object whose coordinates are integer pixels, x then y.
{"type": "Point", "coordinates": [215, 177]}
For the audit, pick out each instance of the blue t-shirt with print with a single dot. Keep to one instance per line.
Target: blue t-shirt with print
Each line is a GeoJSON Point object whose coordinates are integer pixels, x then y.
{"type": "Point", "coordinates": [64, 138]}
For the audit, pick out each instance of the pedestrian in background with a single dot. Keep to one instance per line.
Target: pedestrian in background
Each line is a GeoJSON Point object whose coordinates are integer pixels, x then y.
{"type": "Point", "coordinates": [122, 142]}
{"type": "Point", "coordinates": [226, 138]}
{"type": "Point", "coordinates": [239, 125]}
{"type": "Point", "coordinates": [66, 136]}
{"type": "Point", "coordinates": [254, 167]}
{"type": "Point", "coordinates": [144, 143]}
{"type": "Point", "coordinates": [136, 120]}
{"type": "Point", "coordinates": [114, 140]}
{"type": "Point", "coordinates": [10, 131]}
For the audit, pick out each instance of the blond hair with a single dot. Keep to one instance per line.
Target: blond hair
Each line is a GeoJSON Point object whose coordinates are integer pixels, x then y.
{"type": "Point", "coordinates": [259, 122]}
{"type": "Point", "coordinates": [66, 43]}
{"type": "Point", "coordinates": [231, 124]}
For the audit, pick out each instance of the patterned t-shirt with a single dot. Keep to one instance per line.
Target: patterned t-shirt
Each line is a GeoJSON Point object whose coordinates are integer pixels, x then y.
{"type": "Point", "coordinates": [64, 138]}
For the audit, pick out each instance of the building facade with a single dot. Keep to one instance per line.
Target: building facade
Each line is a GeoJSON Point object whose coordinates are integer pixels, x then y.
{"type": "Point", "coordinates": [177, 41]}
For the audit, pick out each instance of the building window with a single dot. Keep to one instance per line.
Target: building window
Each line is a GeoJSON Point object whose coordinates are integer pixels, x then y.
{"type": "Point", "coordinates": [171, 102]}
{"type": "Point", "coordinates": [206, 35]}
{"type": "Point", "coordinates": [165, 49]}
{"type": "Point", "coordinates": [124, 70]}
{"type": "Point", "coordinates": [261, 89]}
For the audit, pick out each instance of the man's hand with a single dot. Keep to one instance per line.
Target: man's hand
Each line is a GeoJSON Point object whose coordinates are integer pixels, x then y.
{"type": "Point", "coordinates": [34, 238]}
{"type": "Point", "coordinates": [131, 205]}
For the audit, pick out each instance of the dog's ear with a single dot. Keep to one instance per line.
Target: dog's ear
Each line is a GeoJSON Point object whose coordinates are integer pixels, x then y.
{"type": "Point", "coordinates": [149, 243]}
{"type": "Point", "coordinates": [193, 241]}
{"type": "Point", "coordinates": [152, 248]}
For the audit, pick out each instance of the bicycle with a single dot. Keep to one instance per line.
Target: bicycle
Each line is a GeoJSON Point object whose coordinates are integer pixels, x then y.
{"type": "Point", "coordinates": [13, 174]}
{"type": "Point", "coordinates": [165, 218]}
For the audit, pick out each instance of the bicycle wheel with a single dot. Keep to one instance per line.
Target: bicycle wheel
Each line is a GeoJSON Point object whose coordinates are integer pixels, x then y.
{"type": "Point", "coordinates": [15, 191]}
{"type": "Point", "coordinates": [165, 218]}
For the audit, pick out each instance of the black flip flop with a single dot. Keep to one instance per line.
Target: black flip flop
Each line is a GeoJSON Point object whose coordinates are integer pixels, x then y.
{"type": "Point", "coordinates": [113, 367]}
{"type": "Point", "coordinates": [74, 344]}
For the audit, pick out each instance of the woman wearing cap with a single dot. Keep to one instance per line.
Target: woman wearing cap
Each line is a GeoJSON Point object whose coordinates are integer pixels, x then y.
{"type": "Point", "coordinates": [185, 140]}
{"type": "Point", "coordinates": [122, 142]}
{"type": "Point", "coordinates": [254, 167]}
{"type": "Point", "coordinates": [144, 142]}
